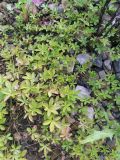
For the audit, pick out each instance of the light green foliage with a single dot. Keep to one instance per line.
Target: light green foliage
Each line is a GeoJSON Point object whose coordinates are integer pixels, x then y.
{"type": "Point", "coordinates": [97, 135]}
{"type": "Point", "coordinates": [22, 2]}
{"type": "Point", "coordinates": [41, 74]}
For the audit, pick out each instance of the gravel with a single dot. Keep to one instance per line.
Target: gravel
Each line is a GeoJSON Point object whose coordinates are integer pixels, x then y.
{"type": "Point", "coordinates": [116, 65]}
{"type": "Point", "coordinates": [107, 64]}
{"type": "Point", "coordinates": [98, 62]}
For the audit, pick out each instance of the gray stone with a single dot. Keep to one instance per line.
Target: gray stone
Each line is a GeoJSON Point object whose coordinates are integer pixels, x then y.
{"type": "Point", "coordinates": [107, 64]}
{"type": "Point", "coordinates": [83, 92]}
{"type": "Point", "coordinates": [98, 62]}
{"type": "Point", "coordinates": [52, 6]}
{"type": "Point", "coordinates": [118, 76]}
{"type": "Point", "coordinates": [38, 3]}
{"type": "Point", "coordinates": [115, 5]}
{"type": "Point", "coordinates": [116, 19]}
{"type": "Point", "coordinates": [60, 9]}
{"type": "Point", "coordinates": [102, 157]}
{"type": "Point", "coordinates": [105, 56]}
{"type": "Point", "coordinates": [102, 74]}
{"type": "Point", "coordinates": [83, 58]}
{"type": "Point", "coordinates": [107, 17]}
{"type": "Point", "coordinates": [90, 113]}
{"type": "Point", "coordinates": [116, 65]}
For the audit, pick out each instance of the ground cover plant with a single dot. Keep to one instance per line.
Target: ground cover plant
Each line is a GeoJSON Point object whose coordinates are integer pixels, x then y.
{"type": "Point", "coordinates": [60, 80]}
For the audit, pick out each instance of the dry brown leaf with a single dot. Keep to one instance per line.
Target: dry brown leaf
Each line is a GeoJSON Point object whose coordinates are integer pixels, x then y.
{"type": "Point", "coordinates": [17, 136]}
{"type": "Point", "coordinates": [70, 120]}
{"type": "Point", "coordinates": [65, 133]}
{"type": "Point", "coordinates": [52, 91]}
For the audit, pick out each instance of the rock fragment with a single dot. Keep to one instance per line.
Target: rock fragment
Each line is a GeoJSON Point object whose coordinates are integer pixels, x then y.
{"type": "Point", "coordinates": [83, 58]}
{"type": "Point", "coordinates": [102, 74]}
{"type": "Point", "coordinates": [90, 114]}
{"type": "Point", "coordinates": [83, 92]}
{"type": "Point", "coordinates": [116, 65]}
{"type": "Point", "coordinates": [98, 62]}
{"type": "Point", "coordinates": [107, 64]}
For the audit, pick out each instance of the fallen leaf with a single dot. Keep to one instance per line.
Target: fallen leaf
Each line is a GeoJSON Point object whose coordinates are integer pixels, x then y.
{"type": "Point", "coordinates": [65, 133]}
{"type": "Point", "coordinates": [17, 136]}
{"type": "Point", "coordinates": [52, 91]}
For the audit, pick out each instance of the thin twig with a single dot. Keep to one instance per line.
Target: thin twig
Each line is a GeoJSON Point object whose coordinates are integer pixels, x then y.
{"type": "Point", "coordinates": [31, 145]}
{"type": "Point", "coordinates": [111, 20]}
{"type": "Point", "coordinates": [101, 15]}
{"type": "Point", "coordinates": [111, 29]}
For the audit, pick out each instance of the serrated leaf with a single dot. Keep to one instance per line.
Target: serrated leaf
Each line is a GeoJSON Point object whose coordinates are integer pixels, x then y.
{"type": "Point", "coordinates": [97, 135]}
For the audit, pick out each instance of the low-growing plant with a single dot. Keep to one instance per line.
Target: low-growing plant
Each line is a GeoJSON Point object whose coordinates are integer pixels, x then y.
{"type": "Point", "coordinates": [37, 89]}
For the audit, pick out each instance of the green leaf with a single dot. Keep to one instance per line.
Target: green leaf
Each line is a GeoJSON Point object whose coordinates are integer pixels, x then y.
{"type": "Point", "coordinates": [97, 135]}
{"type": "Point", "coordinates": [47, 122]}
{"type": "Point", "coordinates": [1, 96]}
{"type": "Point", "coordinates": [52, 126]}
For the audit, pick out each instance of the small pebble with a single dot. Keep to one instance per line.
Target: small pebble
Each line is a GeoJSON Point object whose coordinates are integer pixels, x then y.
{"type": "Point", "coordinates": [60, 9]}
{"type": "Point", "coordinates": [52, 6]}
{"type": "Point", "coordinates": [118, 76]}
{"type": "Point", "coordinates": [105, 56]}
{"type": "Point", "coordinates": [83, 58]}
{"type": "Point", "coordinates": [107, 64]}
{"type": "Point", "coordinates": [102, 74]}
{"type": "Point", "coordinates": [90, 113]}
{"type": "Point", "coordinates": [98, 62]}
{"type": "Point", "coordinates": [116, 65]}
{"type": "Point", "coordinates": [84, 92]}
{"type": "Point", "coordinates": [106, 17]}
